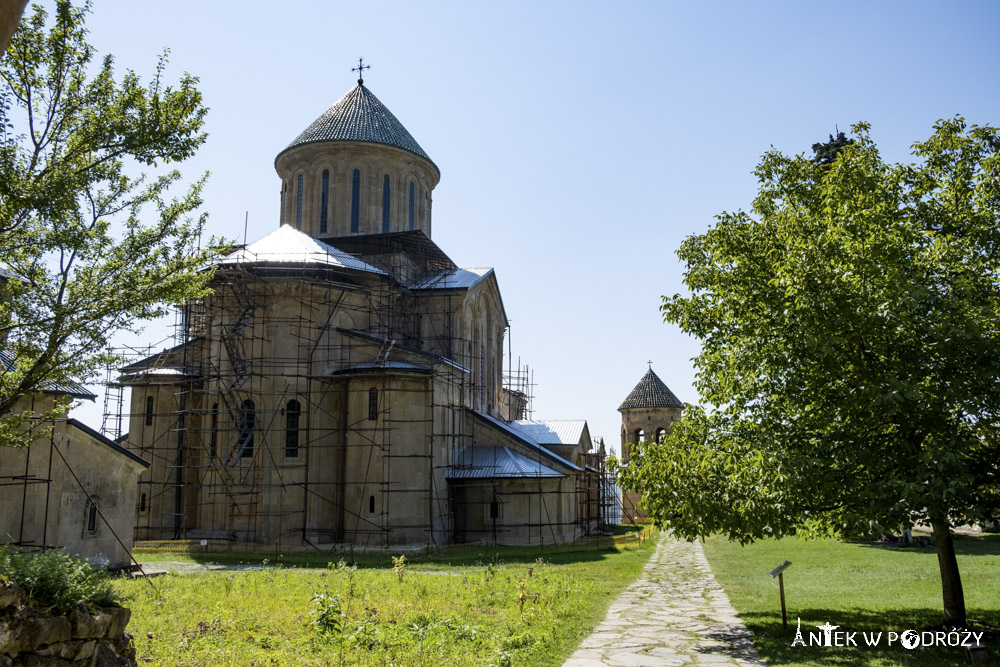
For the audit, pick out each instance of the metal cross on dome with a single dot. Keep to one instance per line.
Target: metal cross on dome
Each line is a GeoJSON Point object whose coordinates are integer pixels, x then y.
{"type": "Point", "coordinates": [360, 69]}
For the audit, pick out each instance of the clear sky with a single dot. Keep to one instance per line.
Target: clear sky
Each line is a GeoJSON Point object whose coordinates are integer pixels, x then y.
{"type": "Point", "coordinates": [579, 142]}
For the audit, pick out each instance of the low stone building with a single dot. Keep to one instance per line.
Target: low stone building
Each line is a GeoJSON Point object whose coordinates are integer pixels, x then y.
{"type": "Point", "coordinates": [73, 488]}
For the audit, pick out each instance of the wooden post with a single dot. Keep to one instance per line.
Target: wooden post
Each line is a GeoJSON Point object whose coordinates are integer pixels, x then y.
{"type": "Point", "coordinates": [781, 589]}
{"type": "Point", "coordinates": [779, 573]}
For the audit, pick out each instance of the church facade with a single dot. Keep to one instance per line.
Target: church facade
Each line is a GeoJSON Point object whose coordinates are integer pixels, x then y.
{"type": "Point", "coordinates": [344, 385]}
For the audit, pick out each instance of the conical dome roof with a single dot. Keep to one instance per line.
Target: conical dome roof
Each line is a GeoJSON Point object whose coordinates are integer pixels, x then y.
{"type": "Point", "coordinates": [359, 116]}
{"type": "Point", "coordinates": [650, 393]}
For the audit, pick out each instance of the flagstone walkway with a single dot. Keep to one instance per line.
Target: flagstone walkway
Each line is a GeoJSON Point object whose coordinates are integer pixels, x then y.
{"type": "Point", "coordinates": [674, 614]}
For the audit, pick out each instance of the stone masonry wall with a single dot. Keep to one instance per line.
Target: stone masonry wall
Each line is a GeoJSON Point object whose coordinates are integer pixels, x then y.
{"type": "Point", "coordinates": [95, 638]}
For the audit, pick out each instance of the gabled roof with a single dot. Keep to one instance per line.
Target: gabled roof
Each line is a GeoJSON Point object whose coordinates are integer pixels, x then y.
{"type": "Point", "coordinates": [495, 461]}
{"type": "Point", "coordinates": [526, 440]}
{"type": "Point", "coordinates": [104, 440]}
{"type": "Point", "coordinates": [552, 432]}
{"type": "Point", "coordinates": [290, 247]}
{"type": "Point", "coordinates": [378, 340]}
{"type": "Point", "coordinates": [71, 389]}
{"type": "Point", "coordinates": [149, 363]}
{"type": "Point", "coordinates": [414, 243]}
{"type": "Point", "coordinates": [453, 279]}
{"type": "Point", "coordinates": [387, 365]}
{"type": "Point", "coordinates": [359, 116]}
{"type": "Point", "coordinates": [650, 393]}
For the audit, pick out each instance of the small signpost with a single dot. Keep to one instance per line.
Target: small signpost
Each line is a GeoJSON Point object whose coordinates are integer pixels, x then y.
{"type": "Point", "coordinates": [779, 573]}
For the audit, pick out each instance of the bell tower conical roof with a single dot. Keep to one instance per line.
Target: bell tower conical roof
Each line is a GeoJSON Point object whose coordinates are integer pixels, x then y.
{"type": "Point", "coordinates": [650, 393]}
{"type": "Point", "coordinates": [359, 116]}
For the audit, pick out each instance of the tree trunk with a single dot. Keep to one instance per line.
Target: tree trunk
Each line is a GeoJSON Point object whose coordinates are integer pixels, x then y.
{"type": "Point", "coordinates": [951, 580]}
{"type": "Point", "coordinates": [10, 16]}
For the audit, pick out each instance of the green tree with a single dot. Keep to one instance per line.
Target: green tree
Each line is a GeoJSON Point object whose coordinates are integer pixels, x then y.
{"type": "Point", "coordinates": [826, 153]}
{"type": "Point", "coordinates": [81, 258]}
{"type": "Point", "coordinates": [851, 353]}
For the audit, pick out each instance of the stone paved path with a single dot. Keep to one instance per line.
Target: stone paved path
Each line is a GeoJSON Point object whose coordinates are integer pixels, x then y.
{"type": "Point", "coordinates": [674, 614]}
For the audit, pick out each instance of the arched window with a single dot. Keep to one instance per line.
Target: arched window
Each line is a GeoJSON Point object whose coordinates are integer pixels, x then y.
{"type": "Point", "coordinates": [324, 201]}
{"type": "Point", "coordinates": [292, 412]}
{"type": "Point", "coordinates": [410, 212]}
{"type": "Point", "coordinates": [371, 504]}
{"type": "Point", "coordinates": [661, 433]}
{"type": "Point", "coordinates": [355, 201]}
{"type": "Point", "coordinates": [386, 200]}
{"type": "Point", "coordinates": [149, 411]}
{"type": "Point", "coordinates": [298, 204]}
{"type": "Point", "coordinates": [213, 437]}
{"type": "Point", "coordinates": [482, 375]}
{"type": "Point", "coordinates": [142, 503]}
{"type": "Point", "coordinates": [427, 213]}
{"type": "Point", "coordinates": [641, 436]}
{"type": "Point", "coordinates": [92, 515]}
{"type": "Point", "coordinates": [247, 425]}
{"type": "Point", "coordinates": [284, 188]}
{"type": "Point", "coordinates": [373, 404]}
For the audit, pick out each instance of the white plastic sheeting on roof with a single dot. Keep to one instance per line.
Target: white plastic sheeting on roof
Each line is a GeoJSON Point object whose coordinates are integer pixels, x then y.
{"type": "Point", "coordinates": [552, 432]}
{"type": "Point", "coordinates": [287, 245]}
{"type": "Point", "coordinates": [520, 435]}
{"type": "Point", "coordinates": [453, 279]}
{"type": "Point", "coordinates": [493, 461]}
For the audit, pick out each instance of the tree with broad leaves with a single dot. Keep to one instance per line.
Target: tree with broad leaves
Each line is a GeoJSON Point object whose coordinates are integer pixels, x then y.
{"type": "Point", "coordinates": [851, 353]}
{"type": "Point", "coordinates": [82, 256]}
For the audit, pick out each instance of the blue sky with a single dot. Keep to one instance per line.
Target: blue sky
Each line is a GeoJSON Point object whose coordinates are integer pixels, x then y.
{"type": "Point", "coordinates": [579, 143]}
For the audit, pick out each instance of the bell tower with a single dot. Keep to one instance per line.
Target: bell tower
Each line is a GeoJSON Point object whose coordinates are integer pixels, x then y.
{"type": "Point", "coordinates": [648, 414]}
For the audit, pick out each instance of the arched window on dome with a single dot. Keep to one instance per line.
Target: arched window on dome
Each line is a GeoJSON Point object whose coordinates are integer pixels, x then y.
{"type": "Point", "coordinates": [386, 199]}
{"type": "Point", "coordinates": [324, 201]}
{"type": "Point", "coordinates": [427, 213]}
{"type": "Point", "coordinates": [410, 212]}
{"type": "Point", "coordinates": [355, 201]}
{"type": "Point", "coordinates": [284, 188]}
{"type": "Point", "coordinates": [298, 204]}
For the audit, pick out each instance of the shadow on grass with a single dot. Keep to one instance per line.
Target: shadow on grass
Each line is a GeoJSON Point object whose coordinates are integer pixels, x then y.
{"type": "Point", "coordinates": [457, 555]}
{"type": "Point", "coordinates": [774, 643]}
{"type": "Point", "coordinates": [987, 544]}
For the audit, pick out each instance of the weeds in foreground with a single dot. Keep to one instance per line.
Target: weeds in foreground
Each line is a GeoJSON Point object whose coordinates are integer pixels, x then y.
{"type": "Point", "coordinates": [499, 613]}
{"type": "Point", "coordinates": [399, 567]}
{"type": "Point", "coordinates": [55, 580]}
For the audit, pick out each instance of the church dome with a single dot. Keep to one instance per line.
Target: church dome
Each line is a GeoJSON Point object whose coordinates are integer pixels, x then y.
{"type": "Point", "coordinates": [359, 116]}
{"type": "Point", "coordinates": [356, 171]}
{"type": "Point", "coordinates": [650, 393]}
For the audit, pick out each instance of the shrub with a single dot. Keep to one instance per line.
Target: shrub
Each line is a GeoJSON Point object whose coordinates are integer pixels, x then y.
{"type": "Point", "coordinates": [54, 579]}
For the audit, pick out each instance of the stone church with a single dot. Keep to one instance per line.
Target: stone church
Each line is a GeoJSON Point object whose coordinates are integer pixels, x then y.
{"type": "Point", "coordinates": [344, 384]}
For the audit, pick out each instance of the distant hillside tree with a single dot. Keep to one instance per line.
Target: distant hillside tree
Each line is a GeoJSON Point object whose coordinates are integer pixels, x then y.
{"type": "Point", "coordinates": [825, 153]}
{"type": "Point", "coordinates": [850, 353]}
{"type": "Point", "coordinates": [89, 245]}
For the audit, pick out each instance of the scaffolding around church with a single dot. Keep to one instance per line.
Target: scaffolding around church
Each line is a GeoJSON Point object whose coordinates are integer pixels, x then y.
{"type": "Point", "coordinates": [304, 407]}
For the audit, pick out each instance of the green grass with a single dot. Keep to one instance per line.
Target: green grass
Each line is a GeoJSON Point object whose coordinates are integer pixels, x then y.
{"type": "Point", "coordinates": [507, 609]}
{"type": "Point", "coordinates": [860, 587]}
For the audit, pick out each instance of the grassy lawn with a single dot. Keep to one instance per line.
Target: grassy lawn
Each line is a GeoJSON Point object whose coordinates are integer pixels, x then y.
{"type": "Point", "coordinates": [524, 606]}
{"type": "Point", "coordinates": [859, 587]}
